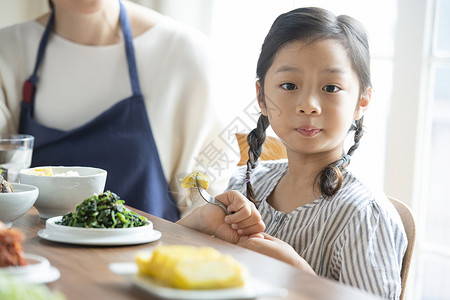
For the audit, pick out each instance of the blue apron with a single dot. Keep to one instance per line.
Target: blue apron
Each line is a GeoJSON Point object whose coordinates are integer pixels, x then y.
{"type": "Point", "coordinates": [119, 140]}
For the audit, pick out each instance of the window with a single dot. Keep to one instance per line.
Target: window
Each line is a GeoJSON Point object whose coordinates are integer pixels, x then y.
{"type": "Point", "coordinates": [434, 247]}
{"type": "Point", "coordinates": [418, 138]}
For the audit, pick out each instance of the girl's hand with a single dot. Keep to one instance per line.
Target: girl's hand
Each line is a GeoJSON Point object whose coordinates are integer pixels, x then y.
{"type": "Point", "coordinates": [276, 248]}
{"type": "Point", "coordinates": [245, 219]}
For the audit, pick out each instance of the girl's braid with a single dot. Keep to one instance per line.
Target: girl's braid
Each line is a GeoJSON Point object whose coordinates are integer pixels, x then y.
{"type": "Point", "coordinates": [255, 140]}
{"type": "Point", "coordinates": [358, 128]}
{"type": "Point", "coordinates": [330, 178]}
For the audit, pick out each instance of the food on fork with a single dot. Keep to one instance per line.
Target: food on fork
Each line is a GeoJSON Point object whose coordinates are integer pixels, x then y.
{"type": "Point", "coordinates": [200, 181]}
{"type": "Point", "coordinates": [189, 180]}
{"type": "Point", "coordinates": [189, 267]}
{"type": "Point", "coordinates": [11, 251]}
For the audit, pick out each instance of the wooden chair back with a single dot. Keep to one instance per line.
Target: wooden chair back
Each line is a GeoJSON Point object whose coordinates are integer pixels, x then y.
{"type": "Point", "coordinates": [410, 229]}
{"type": "Point", "coordinates": [273, 149]}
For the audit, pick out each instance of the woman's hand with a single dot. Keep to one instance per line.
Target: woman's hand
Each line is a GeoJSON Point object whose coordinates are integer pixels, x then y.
{"type": "Point", "coordinates": [276, 248]}
{"type": "Point", "coordinates": [244, 221]}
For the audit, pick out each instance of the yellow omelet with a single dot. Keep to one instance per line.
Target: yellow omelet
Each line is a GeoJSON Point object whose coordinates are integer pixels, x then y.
{"type": "Point", "coordinates": [189, 181]}
{"type": "Point", "coordinates": [189, 267]}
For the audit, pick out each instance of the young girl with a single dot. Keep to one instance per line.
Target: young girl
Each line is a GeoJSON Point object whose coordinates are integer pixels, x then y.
{"type": "Point", "coordinates": [313, 88]}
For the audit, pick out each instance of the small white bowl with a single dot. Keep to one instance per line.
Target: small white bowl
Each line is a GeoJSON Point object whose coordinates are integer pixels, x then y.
{"type": "Point", "coordinates": [16, 204]}
{"type": "Point", "coordinates": [38, 270]}
{"type": "Point", "coordinates": [59, 195]}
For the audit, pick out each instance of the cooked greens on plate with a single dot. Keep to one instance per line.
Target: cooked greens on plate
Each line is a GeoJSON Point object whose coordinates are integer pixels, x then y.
{"type": "Point", "coordinates": [105, 210]}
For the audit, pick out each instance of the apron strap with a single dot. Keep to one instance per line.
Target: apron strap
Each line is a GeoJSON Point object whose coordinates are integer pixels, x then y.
{"type": "Point", "coordinates": [129, 48]}
{"type": "Point", "coordinates": [29, 86]}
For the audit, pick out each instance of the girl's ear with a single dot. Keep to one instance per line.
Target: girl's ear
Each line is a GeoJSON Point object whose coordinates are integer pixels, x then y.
{"type": "Point", "coordinates": [363, 104]}
{"type": "Point", "coordinates": [260, 98]}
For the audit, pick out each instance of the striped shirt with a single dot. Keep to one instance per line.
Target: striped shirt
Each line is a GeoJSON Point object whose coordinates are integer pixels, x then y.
{"type": "Point", "coordinates": [355, 237]}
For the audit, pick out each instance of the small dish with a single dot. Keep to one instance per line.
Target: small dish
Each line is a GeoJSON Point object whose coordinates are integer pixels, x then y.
{"type": "Point", "coordinates": [38, 270]}
{"type": "Point", "coordinates": [16, 204]}
{"type": "Point", "coordinates": [98, 236]}
{"type": "Point", "coordinates": [252, 289]}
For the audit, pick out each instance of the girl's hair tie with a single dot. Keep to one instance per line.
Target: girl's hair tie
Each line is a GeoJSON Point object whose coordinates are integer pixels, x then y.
{"type": "Point", "coordinates": [345, 159]}
{"type": "Point", "coordinates": [247, 176]}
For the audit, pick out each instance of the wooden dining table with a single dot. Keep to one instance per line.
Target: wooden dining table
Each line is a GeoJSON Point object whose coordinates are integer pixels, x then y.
{"type": "Point", "coordinates": [85, 272]}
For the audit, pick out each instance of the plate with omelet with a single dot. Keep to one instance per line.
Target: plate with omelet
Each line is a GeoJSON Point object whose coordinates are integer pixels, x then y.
{"type": "Point", "coordinates": [189, 272]}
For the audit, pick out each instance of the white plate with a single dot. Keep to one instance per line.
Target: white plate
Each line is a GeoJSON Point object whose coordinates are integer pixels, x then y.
{"type": "Point", "coordinates": [252, 289]}
{"type": "Point", "coordinates": [98, 236]}
{"type": "Point", "coordinates": [38, 270]}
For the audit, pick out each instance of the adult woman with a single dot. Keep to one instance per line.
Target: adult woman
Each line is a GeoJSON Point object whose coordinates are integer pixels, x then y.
{"type": "Point", "coordinates": [77, 103]}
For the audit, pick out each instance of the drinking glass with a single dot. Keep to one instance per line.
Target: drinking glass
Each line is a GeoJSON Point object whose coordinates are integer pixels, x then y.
{"type": "Point", "coordinates": [15, 154]}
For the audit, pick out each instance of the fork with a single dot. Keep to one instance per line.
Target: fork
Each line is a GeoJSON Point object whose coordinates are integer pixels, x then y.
{"type": "Point", "coordinates": [210, 199]}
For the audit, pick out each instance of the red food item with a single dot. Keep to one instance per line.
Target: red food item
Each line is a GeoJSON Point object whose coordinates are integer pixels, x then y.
{"type": "Point", "coordinates": [11, 251]}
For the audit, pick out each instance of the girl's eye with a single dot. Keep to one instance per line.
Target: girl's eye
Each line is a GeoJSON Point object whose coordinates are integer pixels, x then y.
{"type": "Point", "coordinates": [331, 88]}
{"type": "Point", "coordinates": [289, 86]}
